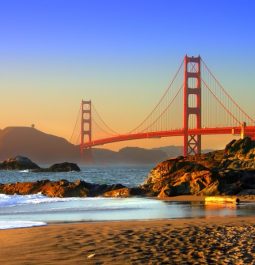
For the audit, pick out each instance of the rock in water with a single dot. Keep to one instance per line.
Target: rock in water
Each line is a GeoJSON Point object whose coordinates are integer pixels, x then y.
{"type": "Point", "coordinates": [23, 163]}
{"type": "Point", "coordinates": [226, 172]}
{"type": "Point", "coordinates": [64, 167]}
{"type": "Point", "coordinates": [18, 163]}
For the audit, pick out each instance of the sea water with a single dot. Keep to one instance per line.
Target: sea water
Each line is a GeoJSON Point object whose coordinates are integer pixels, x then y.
{"type": "Point", "coordinates": [37, 209]}
{"type": "Point", "coordinates": [128, 175]}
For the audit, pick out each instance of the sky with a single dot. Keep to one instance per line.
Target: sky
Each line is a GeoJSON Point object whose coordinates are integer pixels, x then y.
{"type": "Point", "coordinates": [119, 54]}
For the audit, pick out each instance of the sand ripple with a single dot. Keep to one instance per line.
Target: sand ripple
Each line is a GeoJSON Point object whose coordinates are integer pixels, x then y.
{"type": "Point", "coordinates": [199, 241]}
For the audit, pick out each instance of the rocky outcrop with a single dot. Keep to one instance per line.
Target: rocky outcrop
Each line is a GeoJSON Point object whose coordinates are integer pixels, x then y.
{"type": "Point", "coordinates": [62, 188]}
{"type": "Point", "coordinates": [18, 163]}
{"type": "Point", "coordinates": [227, 172]}
{"type": "Point", "coordinates": [64, 167]}
{"type": "Point", "coordinates": [61, 167]}
{"type": "Point", "coordinates": [24, 163]}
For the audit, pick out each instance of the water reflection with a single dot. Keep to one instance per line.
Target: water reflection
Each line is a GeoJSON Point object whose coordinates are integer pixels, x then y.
{"type": "Point", "coordinates": [227, 209]}
{"type": "Point", "coordinates": [200, 209]}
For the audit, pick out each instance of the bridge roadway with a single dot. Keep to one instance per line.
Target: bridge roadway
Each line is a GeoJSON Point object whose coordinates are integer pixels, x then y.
{"type": "Point", "coordinates": [249, 130]}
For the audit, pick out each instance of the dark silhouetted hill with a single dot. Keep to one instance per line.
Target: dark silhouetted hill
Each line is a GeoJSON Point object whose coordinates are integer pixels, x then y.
{"type": "Point", "coordinates": [37, 145]}
{"type": "Point", "coordinates": [174, 151]}
{"type": "Point", "coordinates": [135, 155]}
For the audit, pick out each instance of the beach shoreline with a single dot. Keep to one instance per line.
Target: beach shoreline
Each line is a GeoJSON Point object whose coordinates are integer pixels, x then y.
{"type": "Point", "coordinates": [172, 241]}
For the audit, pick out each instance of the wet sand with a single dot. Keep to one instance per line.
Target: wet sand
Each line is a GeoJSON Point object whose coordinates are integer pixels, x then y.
{"type": "Point", "coordinates": [221, 240]}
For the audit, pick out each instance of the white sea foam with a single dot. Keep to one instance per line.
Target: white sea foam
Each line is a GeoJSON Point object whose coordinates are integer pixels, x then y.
{"type": "Point", "coordinates": [19, 224]}
{"type": "Point", "coordinates": [13, 200]}
{"type": "Point", "coordinates": [86, 203]}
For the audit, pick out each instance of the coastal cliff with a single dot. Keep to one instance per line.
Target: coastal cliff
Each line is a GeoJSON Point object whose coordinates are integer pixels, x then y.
{"type": "Point", "coordinates": [226, 172]}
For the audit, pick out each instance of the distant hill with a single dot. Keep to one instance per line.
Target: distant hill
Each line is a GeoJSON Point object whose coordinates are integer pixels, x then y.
{"type": "Point", "coordinates": [37, 145]}
{"type": "Point", "coordinates": [145, 156]}
{"type": "Point", "coordinates": [174, 151]}
{"type": "Point", "coordinates": [46, 148]}
{"type": "Point", "coordinates": [171, 151]}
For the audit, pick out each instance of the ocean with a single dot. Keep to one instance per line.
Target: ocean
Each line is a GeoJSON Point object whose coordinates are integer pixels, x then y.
{"type": "Point", "coordinates": [128, 175]}
{"type": "Point", "coordinates": [37, 210]}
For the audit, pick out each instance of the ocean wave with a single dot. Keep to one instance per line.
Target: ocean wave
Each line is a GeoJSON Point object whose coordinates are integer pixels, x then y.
{"type": "Point", "coordinates": [19, 224]}
{"type": "Point", "coordinates": [13, 200]}
{"type": "Point", "coordinates": [95, 203]}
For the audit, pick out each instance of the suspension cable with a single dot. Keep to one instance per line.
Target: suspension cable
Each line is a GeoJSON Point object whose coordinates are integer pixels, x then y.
{"type": "Point", "coordinates": [161, 99]}
{"type": "Point", "coordinates": [227, 110]}
{"type": "Point", "coordinates": [101, 119]}
{"type": "Point", "coordinates": [74, 128]}
{"type": "Point", "coordinates": [226, 93]}
{"type": "Point", "coordinates": [164, 111]}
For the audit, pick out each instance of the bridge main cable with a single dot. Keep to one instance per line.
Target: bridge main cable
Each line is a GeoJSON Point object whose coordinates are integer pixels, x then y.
{"type": "Point", "coordinates": [161, 99]}
{"type": "Point", "coordinates": [227, 94]}
{"type": "Point", "coordinates": [104, 123]}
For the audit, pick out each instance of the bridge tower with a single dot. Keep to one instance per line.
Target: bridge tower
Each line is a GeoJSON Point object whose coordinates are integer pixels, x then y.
{"type": "Point", "coordinates": [86, 128]}
{"type": "Point", "coordinates": [192, 104]}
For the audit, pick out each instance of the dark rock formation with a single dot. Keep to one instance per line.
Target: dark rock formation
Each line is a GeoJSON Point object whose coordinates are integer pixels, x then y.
{"type": "Point", "coordinates": [24, 163]}
{"type": "Point", "coordinates": [60, 167]}
{"type": "Point", "coordinates": [18, 163]}
{"type": "Point", "coordinates": [64, 167]}
{"type": "Point", "coordinates": [62, 188]}
{"type": "Point", "coordinates": [227, 172]}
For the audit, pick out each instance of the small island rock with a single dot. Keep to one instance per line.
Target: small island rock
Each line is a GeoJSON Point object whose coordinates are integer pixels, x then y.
{"type": "Point", "coordinates": [18, 163]}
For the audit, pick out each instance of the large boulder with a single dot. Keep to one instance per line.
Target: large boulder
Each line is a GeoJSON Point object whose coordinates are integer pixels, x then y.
{"type": "Point", "coordinates": [226, 172]}
{"type": "Point", "coordinates": [18, 163]}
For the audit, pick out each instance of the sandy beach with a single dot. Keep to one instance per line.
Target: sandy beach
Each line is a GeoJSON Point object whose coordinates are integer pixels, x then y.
{"type": "Point", "coordinates": [224, 240]}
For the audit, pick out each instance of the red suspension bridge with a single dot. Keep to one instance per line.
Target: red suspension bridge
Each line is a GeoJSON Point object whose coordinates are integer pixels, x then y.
{"type": "Point", "coordinates": [194, 104]}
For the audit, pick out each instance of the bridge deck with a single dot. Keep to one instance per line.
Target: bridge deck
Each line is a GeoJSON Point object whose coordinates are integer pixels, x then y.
{"type": "Point", "coordinates": [249, 130]}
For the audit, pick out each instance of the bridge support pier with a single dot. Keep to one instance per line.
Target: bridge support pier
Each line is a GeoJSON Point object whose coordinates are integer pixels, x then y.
{"type": "Point", "coordinates": [86, 130]}
{"type": "Point", "coordinates": [192, 104]}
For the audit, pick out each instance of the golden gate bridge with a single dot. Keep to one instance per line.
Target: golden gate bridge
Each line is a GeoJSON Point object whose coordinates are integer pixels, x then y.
{"type": "Point", "coordinates": [194, 104]}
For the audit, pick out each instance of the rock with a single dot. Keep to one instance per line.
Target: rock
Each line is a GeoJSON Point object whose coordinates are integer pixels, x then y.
{"type": "Point", "coordinates": [123, 192]}
{"type": "Point", "coordinates": [226, 172]}
{"type": "Point", "coordinates": [23, 163]}
{"type": "Point", "coordinates": [246, 192]}
{"type": "Point", "coordinates": [61, 188]}
{"type": "Point", "coordinates": [61, 167]}
{"type": "Point", "coordinates": [18, 163]}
